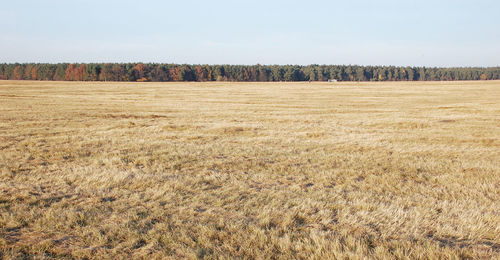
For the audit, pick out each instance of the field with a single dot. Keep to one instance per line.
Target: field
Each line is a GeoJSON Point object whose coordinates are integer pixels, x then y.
{"type": "Point", "coordinates": [250, 170]}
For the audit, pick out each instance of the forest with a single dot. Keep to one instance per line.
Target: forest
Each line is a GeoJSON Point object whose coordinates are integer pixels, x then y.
{"type": "Point", "coordinates": [185, 72]}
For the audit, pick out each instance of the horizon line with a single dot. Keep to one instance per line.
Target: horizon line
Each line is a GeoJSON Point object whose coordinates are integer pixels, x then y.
{"type": "Point", "coordinates": [256, 64]}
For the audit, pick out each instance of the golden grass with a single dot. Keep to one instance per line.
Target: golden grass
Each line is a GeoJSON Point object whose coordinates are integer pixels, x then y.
{"type": "Point", "coordinates": [250, 170]}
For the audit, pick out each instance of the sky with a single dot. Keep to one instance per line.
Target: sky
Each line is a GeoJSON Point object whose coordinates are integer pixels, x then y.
{"type": "Point", "coordinates": [442, 33]}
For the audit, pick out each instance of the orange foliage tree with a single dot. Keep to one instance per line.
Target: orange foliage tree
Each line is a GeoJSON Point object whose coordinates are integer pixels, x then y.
{"type": "Point", "coordinates": [175, 73]}
{"type": "Point", "coordinates": [34, 73]}
{"type": "Point", "coordinates": [70, 72]}
{"type": "Point", "coordinates": [18, 74]}
{"type": "Point", "coordinates": [80, 73]}
{"type": "Point", "coordinates": [140, 68]}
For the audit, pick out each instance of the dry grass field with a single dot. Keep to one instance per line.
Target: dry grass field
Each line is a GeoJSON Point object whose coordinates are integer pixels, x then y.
{"type": "Point", "coordinates": [250, 170]}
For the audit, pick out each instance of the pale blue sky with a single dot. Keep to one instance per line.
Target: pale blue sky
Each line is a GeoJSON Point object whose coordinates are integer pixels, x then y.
{"type": "Point", "coordinates": [385, 32]}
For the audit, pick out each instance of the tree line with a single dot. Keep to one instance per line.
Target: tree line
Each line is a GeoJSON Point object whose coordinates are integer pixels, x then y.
{"type": "Point", "coordinates": [186, 72]}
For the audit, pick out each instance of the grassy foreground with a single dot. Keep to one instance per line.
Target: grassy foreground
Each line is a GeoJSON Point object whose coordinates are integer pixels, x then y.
{"type": "Point", "coordinates": [250, 170]}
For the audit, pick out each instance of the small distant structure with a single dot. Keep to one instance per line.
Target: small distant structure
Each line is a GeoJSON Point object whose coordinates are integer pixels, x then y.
{"type": "Point", "coordinates": [332, 80]}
